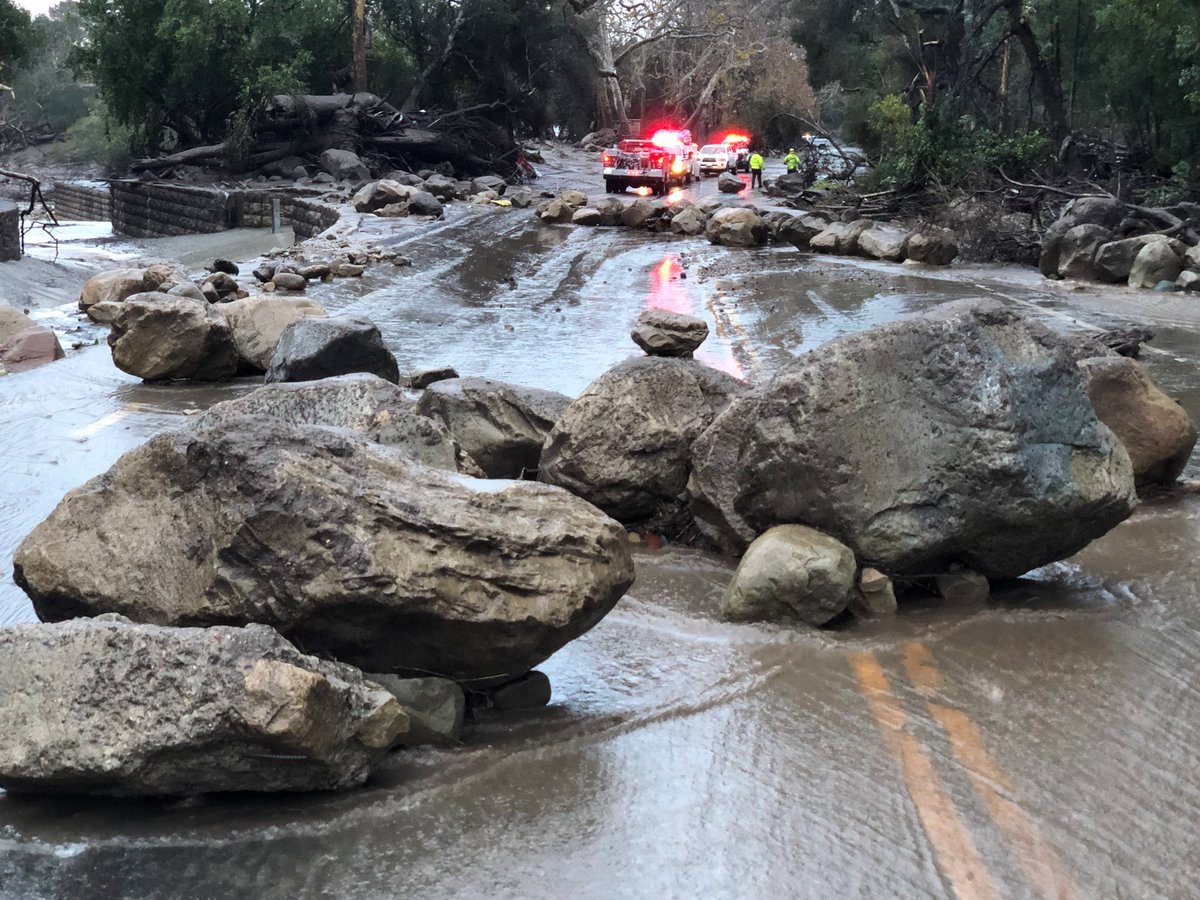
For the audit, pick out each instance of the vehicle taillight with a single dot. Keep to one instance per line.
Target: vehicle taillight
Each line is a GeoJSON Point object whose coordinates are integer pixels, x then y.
{"type": "Point", "coordinates": [607, 160]}
{"type": "Point", "coordinates": [677, 167]}
{"type": "Point", "coordinates": [656, 160]}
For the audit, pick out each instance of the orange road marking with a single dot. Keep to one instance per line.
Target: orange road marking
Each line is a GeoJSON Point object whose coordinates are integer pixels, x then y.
{"type": "Point", "coordinates": [954, 852]}
{"type": "Point", "coordinates": [1039, 861]}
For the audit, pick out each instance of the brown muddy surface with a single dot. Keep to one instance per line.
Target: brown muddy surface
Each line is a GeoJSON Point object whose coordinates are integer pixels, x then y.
{"type": "Point", "coordinates": [1044, 745]}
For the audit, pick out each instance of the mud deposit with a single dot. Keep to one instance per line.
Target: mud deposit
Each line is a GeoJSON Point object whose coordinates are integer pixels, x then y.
{"type": "Point", "coordinates": [1042, 746]}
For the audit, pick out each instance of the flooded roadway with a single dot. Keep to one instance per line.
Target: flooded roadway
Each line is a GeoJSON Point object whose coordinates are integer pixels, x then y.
{"type": "Point", "coordinates": [1042, 746]}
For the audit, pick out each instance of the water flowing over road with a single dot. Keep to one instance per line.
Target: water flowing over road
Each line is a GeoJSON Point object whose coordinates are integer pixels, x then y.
{"type": "Point", "coordinates": [1044, 745]}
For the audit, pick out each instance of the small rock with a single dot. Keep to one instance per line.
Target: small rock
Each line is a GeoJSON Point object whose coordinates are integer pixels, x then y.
{"type": "Point", "coordinates": [423, 378]}
{"type": "Point", "coordinates": [187, 289]}
{"type": "Point", "coordinates": [264, 273]}
{"type": "Point", "coordinates": [792, 571]}
{"type": "Point", "coordinates": [876, 596]}
{"type": "Point", "coordinates": [290, 281]}
{"type": "Point", "coordinates": [663, 333]}
{"type": "Point", "coordinates": [963, 587]}
{"type": "Point", "coordinates": [436, 708]}
{"type": "Point", "coordinates": [345, 270]}
{"type": "Point", "coordinates": [315, 272]}
{"type": "Point", "coordinates": [1188, 281]}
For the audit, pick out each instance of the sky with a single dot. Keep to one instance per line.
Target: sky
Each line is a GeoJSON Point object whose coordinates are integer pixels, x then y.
{"type": "Point", "coordinates": [37, 7]}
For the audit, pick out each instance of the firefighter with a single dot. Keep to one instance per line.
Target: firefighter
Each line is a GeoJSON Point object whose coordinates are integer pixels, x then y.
{"type": "Point", "coordinates": [756, 169]}
{"type": "Point", "coordinates": [791, 162]}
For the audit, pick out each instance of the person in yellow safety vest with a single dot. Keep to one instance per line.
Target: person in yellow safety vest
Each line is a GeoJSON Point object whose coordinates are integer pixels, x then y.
{"type": "Point", "coordinates": [791, 162]}
{"type": "Point", "coordinates": [756, 169]}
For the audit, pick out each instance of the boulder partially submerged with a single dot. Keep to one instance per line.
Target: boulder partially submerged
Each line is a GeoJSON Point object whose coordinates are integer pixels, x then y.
{"type": "Point", "coordinates": [501, 426]}
{"type": "Point", "coordinates": [159, 336]}
{"type": "Point", "coordinates": [625, 443]}
{"type": "Point", "coordinates": [104, 706]}
{"type": "Point", "coordinates": [963, 437]}
{"type": "Point", "coordinates": [343, 545]}
{"type": "Point", "coordinates": [312, 348]}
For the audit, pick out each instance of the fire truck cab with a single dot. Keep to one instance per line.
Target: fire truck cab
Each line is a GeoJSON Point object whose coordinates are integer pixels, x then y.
{"type": "Point", "coordinates": [668, 159]}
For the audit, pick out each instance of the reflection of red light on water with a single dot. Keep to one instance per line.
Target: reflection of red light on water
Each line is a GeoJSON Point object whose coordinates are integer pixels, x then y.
{"type": "Point", "coordinates": [669, 292]}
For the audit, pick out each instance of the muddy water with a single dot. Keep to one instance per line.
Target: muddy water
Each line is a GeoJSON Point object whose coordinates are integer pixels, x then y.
{"type": "Point", "coordinates": [1043, 745]}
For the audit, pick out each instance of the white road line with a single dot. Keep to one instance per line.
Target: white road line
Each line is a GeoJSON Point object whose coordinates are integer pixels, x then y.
{"type": "Point", "coordinates": [105, 421]}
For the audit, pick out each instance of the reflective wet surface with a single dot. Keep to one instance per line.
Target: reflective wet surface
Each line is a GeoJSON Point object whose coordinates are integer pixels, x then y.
{"type": "Point", "coordinates": [1044, 745]}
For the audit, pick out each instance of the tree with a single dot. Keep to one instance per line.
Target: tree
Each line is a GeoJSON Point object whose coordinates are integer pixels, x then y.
{"type": "Point", "coordinates": [17, 37]}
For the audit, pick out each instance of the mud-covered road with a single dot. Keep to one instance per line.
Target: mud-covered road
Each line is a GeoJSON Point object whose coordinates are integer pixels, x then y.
{"type": "Point", "coordinates": [1046, 745]}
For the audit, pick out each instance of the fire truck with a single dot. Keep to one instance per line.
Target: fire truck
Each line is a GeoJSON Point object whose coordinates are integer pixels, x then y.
{"type": "Point", "coordinates": [668, 159]}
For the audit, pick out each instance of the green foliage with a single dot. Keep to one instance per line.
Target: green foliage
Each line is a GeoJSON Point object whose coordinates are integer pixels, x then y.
{"type": "Point", "coordinates": [45, 88]}
{"type": "Point", "coordinates": [948, 151]}
{"type": "Point", "coordinates": [17, 37]}
{"type": "Point", "coordinates": [96, 138]}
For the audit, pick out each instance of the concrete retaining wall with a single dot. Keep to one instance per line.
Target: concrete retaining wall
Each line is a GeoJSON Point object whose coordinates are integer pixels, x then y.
{"type": "Point", "coordinates": [10, 231]}
{"type": "Point", "coordinates": [148, 209]}
{"type": "Point", "coordinates": [84, 201]}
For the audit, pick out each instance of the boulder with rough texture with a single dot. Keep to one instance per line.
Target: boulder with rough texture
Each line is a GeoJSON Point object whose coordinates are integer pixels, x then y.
{"type": "Point", "coordinates": [343, 545]}
{"type": "Point", "coordinates": [1106, 212]}
{"type": "Point", "coordinates": [259, 322]}
{"type": "Point", "coordinates": [737, 228]}
{"type": "Point", "coordinates": [960, 437]}
{"type": "Point", "coordinates": [119, 284]}
{"type": "Point", "coordinates": [361, 403]}
{"type": "Point", "coordinates": [933, 248]}
{"type": "Point", "coordinates": [289, 281]}
{"type": "Point", "coordinates": [663, 333]}
{"type": "Point", "coordinates": [876, 596]}
{"type": "Point", "coordinates": [436, 708]}
{"type": "Point", "coordinates": [1188, 281]}
{"type": "Point", "coordinates": [104, 706]}
{"type": "Point", "coordinates": [841, 237]}
{"type": "Point", "coordinates": [792, 572]}
{"type": "Point", "coordinates": [391, 198]}
{"type": "Point", "coordinates": [728, 183]}
{"type": "Point", "coordinates": [574, 199]}
{"type": "Point", "coordinates": [637, 213]}
{"type": "Point", "coordinates": [489, 183]}
{"type": "Point", "coordinates": [688, 222]}
{"type": "Point", "coordinates": [160, 336]}
{"type": "Point", "coordinates": [1155, 262]}
{"type": "Point", "coordinates": [1156, 430]}
{"type": "Point", "coordinates": [502, 427]}
{"type": "Point", "coordinates": [423, 378]}
{"type": "Point", "coordinates": [610, 209]}
{"type": "Point", "coordinates": [344, 165]}
{"type": "Point", "coordinates": [555, 212]}
{"type": "Point", "coordinates": [1114, 260]}
{"type": "Point", "coordinates": [321, 348]}
{"type": "Point", "coordinates": [624, 444]}
{"type": "Point", "coordinates": [799, 229]}
{"type": "Point", "coordinates": [963, 587]}
{"type": "Point", "coordinates": [1077, 251]}
{"type": "Point", "coordinates": [586, 216]}
{"type": "Point", "coordinates": [884, 242]}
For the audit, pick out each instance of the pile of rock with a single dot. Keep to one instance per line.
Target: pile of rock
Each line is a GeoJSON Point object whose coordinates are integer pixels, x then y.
{"type": "Point", "coordinates": [872, 444]}
{"type": "Point", "coordinates": [1104, 239]}
{"type": "Point", "coordinates": [23, 343]}
{"type": "Point", "coordinates": [326, 513]}
{"type": "Point", "coordinates": [735, 222]}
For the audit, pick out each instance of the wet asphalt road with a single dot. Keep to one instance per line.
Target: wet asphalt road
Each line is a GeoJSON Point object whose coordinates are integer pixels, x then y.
{"type": "Point", "coordinates": [1044, 745]}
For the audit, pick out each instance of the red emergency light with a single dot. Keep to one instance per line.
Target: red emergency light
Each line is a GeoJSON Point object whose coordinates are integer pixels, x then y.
{"type": "Point", "coordinates": [735, 138]}
{"type": "Point", "coordinates": [665, 138]}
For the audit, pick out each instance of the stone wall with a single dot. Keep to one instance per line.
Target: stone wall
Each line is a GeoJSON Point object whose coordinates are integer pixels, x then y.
{"type": "Point", "coordinates": [143, 209]}
{"type": "Point", "coordinates": [83, 201]}
{"type": "Point", "coordinates": [10, 231]}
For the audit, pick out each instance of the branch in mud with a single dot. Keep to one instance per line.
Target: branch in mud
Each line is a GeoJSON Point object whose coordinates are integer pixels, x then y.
{"type": "Point", "coordinates": [35, 193]}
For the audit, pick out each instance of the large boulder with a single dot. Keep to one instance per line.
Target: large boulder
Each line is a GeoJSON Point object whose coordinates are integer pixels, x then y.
{"type": "Point", "coordinates": [885, 242]}
{"type": "Point", "coordinates": [104, 706]}
{"type": "Point", "coordinates": [689, 222]}
{"type": "Point", "coordinates": [345, 546]}
{"type": "Point", "coordinates": [1156, 430]}
{"type": "Point", "coordinates": [344, 165]}
{"type": "Point", "coordinates": [624, 444]}
{"type": "Point", "coordinates": [391, 198]}
{"type": "Point", "coordinates": [117, 285]}
{"type": "Point", "coordinates": [489, 183]}
{"type": "Point", "coordinates": [163, 336]}
{"type": "Point", "coordinates": [1155, 262]}
{"type": "Point", "coordinates": [259, 322]}
{"type": "Point", "coordinates": [361, 403]}
{"type": "Point", "coordinates": [29, 348]}
{"type": "Point", "coordinates": [661, 332]}
{"type": "Point", "coordinates": [792, 572]}
{"type": "Point", "coordinates": [797, 229]}
{"type": "Point", "coordinates": [841, 237]}
{"type": "Point", "coordinates": [728, 183]}
{"type": "Point", "coordinates": [313, 348]}
{"type": "Point", "coordinates": [638, 213]}
{"type": "Point", "coordinates": [1077, 251]}
{"type": "Point", "coordinates": [737, 228]}
{"type": "Point", "coordinates": [1114, 260]}
{"type": "Point", "coordinates": [960, 437]}
{"type": "Point", "coordinates": [931, 247]}
{"type": "Point", "coordinates": [502, 427]}
{"type": "Point", "coordinates": [440, 186]}
{"type": "Point", "coordinates": [555, 212]}
{"type": "Point", "coordinates": [1107, 212]}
